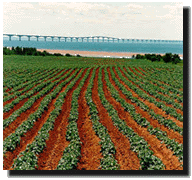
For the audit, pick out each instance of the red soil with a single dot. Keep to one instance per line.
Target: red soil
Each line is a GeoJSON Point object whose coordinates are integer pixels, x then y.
{"type": "Point", "coordinates": [16, 107]}
{"type": "Point", "coordinates": [151, 95]}
{"type": "Point", "coordinates": [126, 158]}
{"type": "Point", "coordinates": [23, 116]}
{"type": "Point", "coordinates": [169, 160]}
{"type": "Point", "coordinates": [159, 80]}
{"type": "Point", "coordinates": [171, 134]}
{"type": "Point", "coordinates": [7, 90]}
{"type": "Point", "coordinates": [90, 149]}
{"type": "Point", "coordinates": [30, 135]}
{"type": "Point", "coordinates": [139, 71]}
{"type": "Point", "coordinates": [151, 105]}
{"type": "Point", "coordinates": [27, 139]}
{"type": "Point", "coordinates": [55, 145]}
{"type": "Point", "coordinates": [58, 74]}
{"type": "Point", "coordinates": [152, 83]}
{"type": "Point", "coordinates": [178, 110]}
{"type": "Point", "coordinates": [25, 82]}
{"type": "Point", "coordinates": [9, 101]}
{"type": "Point", "coordinates": [143, 70]}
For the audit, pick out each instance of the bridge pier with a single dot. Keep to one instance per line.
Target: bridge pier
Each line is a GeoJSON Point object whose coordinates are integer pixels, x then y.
{"type": "Point", "coordinates": [59, 38]}
{"type": "Point", "coordinates": [37, 38]}
{"type": "Point", "coordinates": [52, 38]}
{"type": "Point", "coordinates": [9, 38]}
{"type": "Point", "coordinates": [45, 38]}
{"type": "Point", "coordinates": [19, 38]}
{"type": "Point", "coordinates": [28, 38]}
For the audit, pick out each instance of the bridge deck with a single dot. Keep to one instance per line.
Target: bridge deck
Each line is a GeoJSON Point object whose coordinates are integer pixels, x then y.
{"type": "Point", "coordinates": [89, 37]}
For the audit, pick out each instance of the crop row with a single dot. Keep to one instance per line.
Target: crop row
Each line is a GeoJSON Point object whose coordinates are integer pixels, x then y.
{"type": "Point", "coordinates": [108, 151]}
{"type": "Point", "coordinates": [175, 84]}
{"type": "Point", "coordinates": [72, 152]}
{"type": "Point", "coordinates": [153, 88]}
{"type": "Point", "coordinates": [138, 144]}
{"type": "Point", "coordinates": [165, 89]}
{"type": "Point", "coordinates": [161, 135]}
{"type": "Point", "coordinates": [18, 92]}
{"type": "Point", "coordinates": [175, 73]}
{"type": "Point", "coordinates": [11, 76]}
{"type": "Point", "coordinates": [39, 77]}
{"type": "Point", "coordinates": [36, 89]}
{"type": "Point", "coordinates": [159, 104]}
{"type": "Point", "coordinates": [173, 77]}
{"type": "Point", "coordinates": [31, 101]}
{"type": "Point", "coordinates": [24, 160]}
{"type": "Point", "coordinates": [161, 120]}
{"type": "Point", "coordinates": [23, 81]}
{"type": "Point", "coordinates": [174, 80]}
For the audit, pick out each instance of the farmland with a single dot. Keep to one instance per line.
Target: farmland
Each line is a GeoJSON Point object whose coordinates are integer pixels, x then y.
{"type": "Point", "coordinates": [78, 113]}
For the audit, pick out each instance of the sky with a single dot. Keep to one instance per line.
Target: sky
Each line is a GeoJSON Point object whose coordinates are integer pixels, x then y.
{"type": "Point", "coordinates": [137, 20]}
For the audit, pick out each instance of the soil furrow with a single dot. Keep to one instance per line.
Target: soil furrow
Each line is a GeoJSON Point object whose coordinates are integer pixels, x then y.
{"type": "Point", "coordinates": [157, 99]}
{"type": "Point", "coordinates": [10, 100]}
{"type": "Point", "coordinates": [23, 116]}
{"type": "Point", "coordinates": [22, 102]}
{"type": "Point", "coordinates": [16, 107]}
{"type": "Point", "coordinates": [90, 148]}
{"type": "Point", "coordinates": [30, 135]}
{"type": "Point", "coordinates": [55, 145]}
{"type": "Point", "coordinates": [169, 160]}
{"type": "Point", "coordinates": [139, 71]}
{"type": "Point", "coordinates": [126, 158]}
{"type": "Point", "coordinates": [27, 81]}
{"type": "Point", "coordinates": [171, 134]}
{"type": "Point", "coordinates": [159, 80]}
{"type": "Point", "coordinates": [149, 104]}
{"type": "Point", "coordinates": [152, 84]}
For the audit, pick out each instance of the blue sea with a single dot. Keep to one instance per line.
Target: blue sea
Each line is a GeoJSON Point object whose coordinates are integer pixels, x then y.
{"type": "Point", "coordinates": [135, 47]}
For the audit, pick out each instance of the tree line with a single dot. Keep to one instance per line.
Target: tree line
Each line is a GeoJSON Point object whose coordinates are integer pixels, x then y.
{"type": "Point", "coordinates": [167, 58]}
{"type": "Point", "coordinates": [29, 51]}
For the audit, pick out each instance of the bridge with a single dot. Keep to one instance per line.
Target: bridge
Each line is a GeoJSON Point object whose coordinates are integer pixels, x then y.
{"type": "Point", "coordinates": [88, 39]}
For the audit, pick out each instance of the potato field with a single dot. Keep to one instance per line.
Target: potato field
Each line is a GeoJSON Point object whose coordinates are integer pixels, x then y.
{"type": "Point", "coordinates": [80, 113]}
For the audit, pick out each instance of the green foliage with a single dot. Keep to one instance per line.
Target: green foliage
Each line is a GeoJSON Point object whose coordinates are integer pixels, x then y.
{"type": "Point", "coordinates": [30, 77]}
{"type": "Point", "coordinates": [27, 51]}
{"type": "Point", "coordinates": [168, 57]}
{"type": "Point", "coordinates": [68, 55]}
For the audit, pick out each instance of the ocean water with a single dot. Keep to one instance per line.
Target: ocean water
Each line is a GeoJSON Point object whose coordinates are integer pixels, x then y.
{"type": "Point", "coordinates": [139, 47]}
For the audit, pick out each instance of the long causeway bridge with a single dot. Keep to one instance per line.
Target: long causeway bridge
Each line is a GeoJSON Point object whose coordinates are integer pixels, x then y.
{"type": "Point", "coordinates": [86, 39]}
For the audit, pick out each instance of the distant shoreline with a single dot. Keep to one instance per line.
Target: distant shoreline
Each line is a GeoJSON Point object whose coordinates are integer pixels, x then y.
{"type": "Point", "coordinates": [97, 53]}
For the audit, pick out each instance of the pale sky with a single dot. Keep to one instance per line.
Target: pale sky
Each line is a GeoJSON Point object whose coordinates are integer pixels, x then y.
{"type": "Point", "coordinates": [121, 20]}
